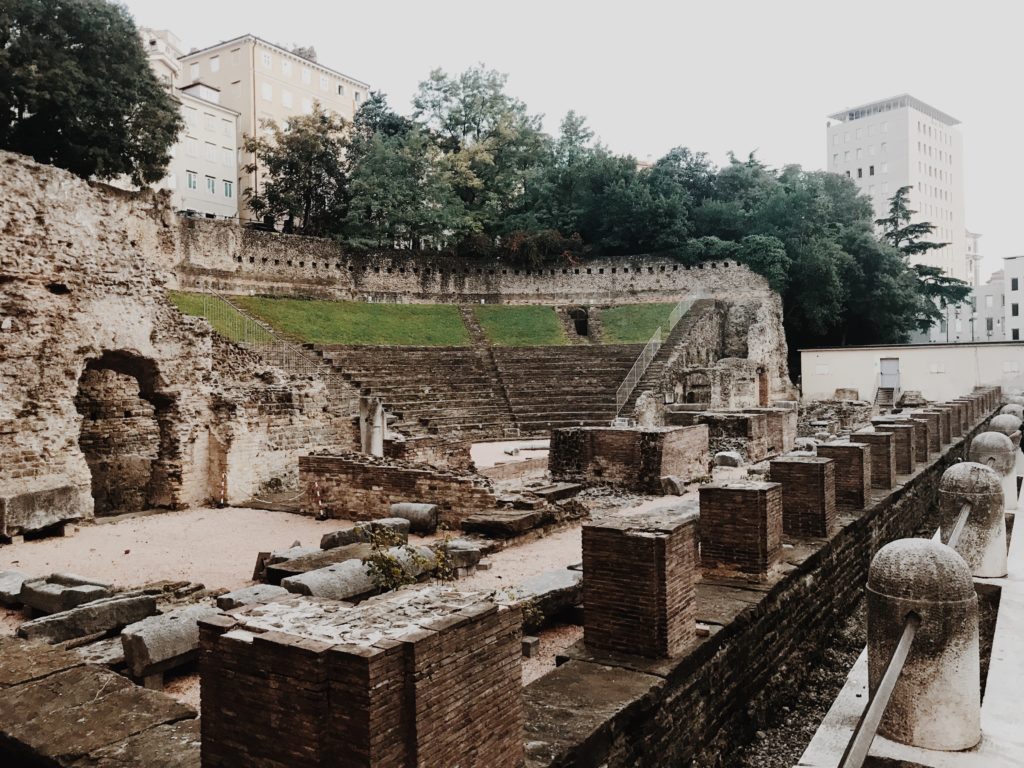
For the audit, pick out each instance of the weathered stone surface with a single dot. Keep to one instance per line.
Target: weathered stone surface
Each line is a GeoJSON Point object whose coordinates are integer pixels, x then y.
{"type": "Point", "coordinates": [728, 459]}
{"type": "Point", "coordinates": [10, 587]}
{"type": "Point", "coordinates": [98, 616]}
{"type": "Point", "coordinates": [320, 558]}
{"type": "Point", "coordinates": [61, 591]}
{"type": "Point", "coordinates": [68, 715]}
{"type": "Point", "coordinates": [550, 594]}
{"type": "Point", "coordinates": [463, 553]}
{"type": "Point", "coordinates": [22, 661]}
{"type": "Point", "coordinates": [166, 746]}
{"type": "Point", "coordinates": [557, 491]}
{"type": "Point", "coordinates": [37, 508]}
{"type": "Point", "coordinates": [502, 524]}
{"type": "Point", "coordinates": [259, 593]}
{"type": "Point", "coordinates": [358, 533]}
{"type": "Point", "coordinates": [108, 652]}
{"type": "Point", "coordinates": [159, 643]}
{"type": "Point", "coordinates": [422, 518]}
{"type": "Point", "coordinates": [352, 579]}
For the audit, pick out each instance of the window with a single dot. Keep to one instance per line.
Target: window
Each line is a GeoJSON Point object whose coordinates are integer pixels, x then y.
{"type": "Point", "coordinates": [885, 129]}
{"type": "Point", "coordinates": [871, 189]}
{"type": "Point", "coordinates": [1014, 310]}
{"type": "Point", "coordinates": [268, 61]}
{"type": "Point", "coordinates": [871, 130]}
{"type": "Point", "coordinates": [988, 324]}
{"type": "Point", "coordinates": [835, 159]}
{"type": "Point", "coordinates": [191, 180]}
{"type": "Point", "coordinates": [307, 106]}
{"type": "Point", "coordinates": [871, 170]}
{"type": "Point", "coordinates": [215, 63]}
{"type": "Point", "coordinates": [307, 75]}
{"type": "Point", "coordinates": [988, 301]}
{"type": "Point", "coordinates": [286, 98]}
{"type": "Point", "coordinates": [846, 137]}
{"type": "Point", "coordinates": [860, 173]}
{"type": "Point", "coordinates": [356, 96]}
{"type": "Point", "coordinates": [859, 153]}
{"type": "Point", "coordinates": [860, 133]}
{"type": "Point", "coordinates": [229, 188]}
{"type": "Point", "coordinates": [341, 89]}
{"type": "Point", "coordinates": [225, 126]}
{"type": "Point", "coordinates": [885, 167]}
{"type": "Point", "coordinates": [1015, 334]}
{"type": "Point", "coordinates": [1014, 284]}
{"type": "Point", "coordinates": [846, 156]}
{"type": "Point", "coordinates": [835, 139]}
{"type": "Point", "coordinates": [883, 147]}
{"type": "Point", "coordinates": [226, 156]}
{"type": "Point", "coordinates": [211, 185]}
{"type": "Point", "coordinates": [871, 150]}
{"type": "Point", "coordinates": [211, 152]}
{"type": "Point", "coordinates": [847, 174]}
{"type": "Point", "coordinates": [324, 83]}
{"type": "Point", "coordinates": [268, 92]}
{"type": "Point", "coordinates": [193, 71]}
{"type": "Point", "coordinates": [286, 68]}
{"type": "Point", "coordinates": [191, 147]}
{"type": "Point", "coordinates": [209, 121]}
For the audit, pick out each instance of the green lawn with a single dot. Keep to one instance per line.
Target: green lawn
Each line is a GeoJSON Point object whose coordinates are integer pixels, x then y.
{"type": "Point", "coordinates": [222, 316]}
{"type": "Point", "coordinates": [634, 323]}
{"type": "Point", "coordinates": [520, 326]}
{"type": "Point", "coordinates": [356, 322]}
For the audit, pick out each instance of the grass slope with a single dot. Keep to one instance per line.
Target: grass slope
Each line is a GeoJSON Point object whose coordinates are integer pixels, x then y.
{"type": "Point", "coordinates": [634, 323]}
{"type": "Point", "coordinates": [354, 322]}
{"type": "Point", "coordinates": [520, 326]}
{"type": "Point", "coordinates": [222, 316]}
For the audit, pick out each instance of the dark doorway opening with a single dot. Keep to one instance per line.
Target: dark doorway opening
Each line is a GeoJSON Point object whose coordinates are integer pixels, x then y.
{"type": "Point", "coordinates": [580, 318]}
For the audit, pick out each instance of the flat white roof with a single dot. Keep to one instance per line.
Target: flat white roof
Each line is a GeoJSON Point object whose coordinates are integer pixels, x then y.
{"type": "Point", "coordinates": [887, 105]}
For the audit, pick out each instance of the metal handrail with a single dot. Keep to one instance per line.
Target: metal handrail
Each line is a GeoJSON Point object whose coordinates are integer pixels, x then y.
{"type": "Point", "coordinates": [867, 727]}
{"type": "Point", "coordinates": [648, 354]}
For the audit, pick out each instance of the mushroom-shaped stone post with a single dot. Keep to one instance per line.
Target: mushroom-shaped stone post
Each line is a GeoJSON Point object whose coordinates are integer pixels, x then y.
{"type": "Point", "coordinates": [982, 542]}
{"type": "Point", "coordinates": [1014, 409]}
{"type": "Point", "coordinates": [936, 700]}
{"type": "Point", "coordinates": [1010, 426]}
{"type": "Point", "coordinates": [1015, 399]}
{"type": "Point", "coordinates": [996, 450]}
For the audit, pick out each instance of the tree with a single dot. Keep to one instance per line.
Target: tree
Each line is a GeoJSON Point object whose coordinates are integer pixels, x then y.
{"type": "Point", "coordinates": [76, 91]}
{"type": "Point", "coordinates": [937, 290]}
{"type": "Point", "coordinates": [303, 171]}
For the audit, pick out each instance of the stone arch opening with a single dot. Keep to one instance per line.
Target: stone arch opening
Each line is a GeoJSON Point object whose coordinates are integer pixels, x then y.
{"type": "Point", "coordinates": [125, 433]}
{"type": "Point", "coordinates": [580, 320]}
{"type": "Point", "coordinates": [697, 388]}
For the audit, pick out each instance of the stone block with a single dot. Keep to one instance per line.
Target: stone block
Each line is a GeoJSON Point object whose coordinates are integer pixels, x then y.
{"type": "Point", "coordinates": [61, 591]}
{"type": "Point", "coordinates": [10, 587]}
{"type": "Point", "coordinates": [98, 616]}
{"type": "Point", "coordinates": [422, 518]}
{"type": "Point", "coordinates": [352, 579]}
{"type": "Point", "coordinates": [160, 643]}
{"type": "Point", "coordinates": [359, 533]}
{"type": "Point", "coordinates": [38, 509]}
{"type": "Point", "coordinates": [728, 459]}
{"type": "Point", "coordinates": [531, 646]}
{"type": "Point", "coordinates": [259, 593]}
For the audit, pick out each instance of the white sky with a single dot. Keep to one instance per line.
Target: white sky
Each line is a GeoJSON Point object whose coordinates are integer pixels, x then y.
{"type": "Point", "coordinates": [716, 76]}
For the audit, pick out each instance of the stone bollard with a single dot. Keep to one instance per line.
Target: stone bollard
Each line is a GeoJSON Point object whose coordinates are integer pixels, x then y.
{"type": "Point", "coordinates": [982, 543]}
{"type": "Point", "coordinates": [1014, 410]}
{"type": "Point", "coordinates": [936, 703]}
{"type": "Point", "coordinates": [996, 450]}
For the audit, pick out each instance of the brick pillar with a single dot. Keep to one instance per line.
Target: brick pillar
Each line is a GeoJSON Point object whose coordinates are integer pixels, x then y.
{"type": "Point", "coordinates": [444, 689]}
{"type": "Point", "coordinates": [808, 495]}
{"type": "Point", "coordinates": [638, 584]}
{"type": "Point", "coordinates": [956, 418]}
{"type": "Point", "coordinates": [883, 457]}
{"type": "Point", "coordinates": [922, 437]}
{"type": "Point", "coordinates": [853, 472]}
{"type": "Point", "coordinates": [944, 413]}
{"type": "Point", "coordinates": [934, 429]}
{"type": "Point", "coordinates": [906, 449]}
{"type": "Point", "coordinates": [740, 526]}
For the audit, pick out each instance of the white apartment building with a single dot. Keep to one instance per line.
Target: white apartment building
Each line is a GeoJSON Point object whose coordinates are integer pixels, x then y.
{"type": "Point", "coordinates": [988, 310]}
{"type": "Point", "coordinates": [901, 142]}
{"type": "Point", "coordinates": [1013, 281]}
{"type": "Point", "coordinates": [202, 175]}
{"type": "Point", "coordinates": [262, 81]}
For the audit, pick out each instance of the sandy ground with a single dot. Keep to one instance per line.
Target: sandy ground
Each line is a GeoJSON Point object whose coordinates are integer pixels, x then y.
{"type": "Point", "coordinates": [489, 454]}
{"type": "Point", "coordinates": [216, 547]}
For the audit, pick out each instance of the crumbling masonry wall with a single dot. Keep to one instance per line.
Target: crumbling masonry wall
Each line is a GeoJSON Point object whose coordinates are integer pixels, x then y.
{"type": "Point", "coordinates": [82, 290]}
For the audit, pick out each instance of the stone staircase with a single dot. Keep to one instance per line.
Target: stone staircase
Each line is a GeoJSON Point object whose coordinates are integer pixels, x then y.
{"type": "Point", "coordinates": [652, 379]}
{"type": "Point", "coordinates": [885, 399]}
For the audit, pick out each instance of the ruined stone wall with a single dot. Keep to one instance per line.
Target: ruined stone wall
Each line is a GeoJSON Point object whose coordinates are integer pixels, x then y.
{"type": "Point", "coordinates": [360, 487]}
{"type": "Point", "coordinates": [637, 459]}
{"type": "Point", "coordinates": [82, 287]}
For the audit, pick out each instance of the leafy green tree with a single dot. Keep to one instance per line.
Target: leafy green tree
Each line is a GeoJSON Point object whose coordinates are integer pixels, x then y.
{"type": "Point", "coordinates": [76, 91]}
{"type": "Point", "coordinates": [303, 171]}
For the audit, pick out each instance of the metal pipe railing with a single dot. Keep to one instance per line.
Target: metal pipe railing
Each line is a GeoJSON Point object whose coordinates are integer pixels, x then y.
{"type": "Point", "coordinates": [648, 354]}
{"type": "Point", "coordinates": [958, 528]}
{"type": "Point", "coordinates": [857, 750]}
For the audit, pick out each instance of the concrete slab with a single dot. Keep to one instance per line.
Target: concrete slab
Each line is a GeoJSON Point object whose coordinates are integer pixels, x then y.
{"type": "Point", "coordinates": [97, 616]}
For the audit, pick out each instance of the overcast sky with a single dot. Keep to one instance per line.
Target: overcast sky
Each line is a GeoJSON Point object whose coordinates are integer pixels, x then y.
{"type": "Point", "coordinates": [736, 75]}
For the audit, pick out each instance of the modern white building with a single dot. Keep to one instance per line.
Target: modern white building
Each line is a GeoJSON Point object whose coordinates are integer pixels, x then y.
{"type": "Point", "coordinates": [202, 176]}
{"type": "Point", "coordinates": [1013, 286]}
{"type": "Point", "coordinates": [903, 142]}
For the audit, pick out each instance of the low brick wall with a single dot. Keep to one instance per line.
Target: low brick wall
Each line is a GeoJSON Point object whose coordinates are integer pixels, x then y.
{"type": "Point", "coordinates": [746, 433]}
{"type": "Point", "coordinates": [633, 458]}
{"type": "Point", "coordinates": [360, 487]}
{"type": "Point", "coordinates": [696, 708]}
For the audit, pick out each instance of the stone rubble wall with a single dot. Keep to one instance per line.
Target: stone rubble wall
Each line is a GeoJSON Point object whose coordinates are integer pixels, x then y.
{"type": "Point", "coordinates": [83, 279]}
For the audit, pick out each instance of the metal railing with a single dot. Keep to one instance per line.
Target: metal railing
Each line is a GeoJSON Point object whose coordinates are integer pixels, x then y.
{"type": "Point", "coordinates": [237, 325]}
{"type": "Point", "coordinates": [651, 348]}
